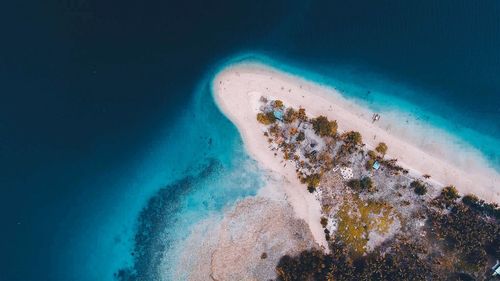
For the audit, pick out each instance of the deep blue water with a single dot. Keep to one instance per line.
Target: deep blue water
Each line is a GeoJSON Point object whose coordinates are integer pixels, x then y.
{"type": "Point", "coordinates": [106, 106]}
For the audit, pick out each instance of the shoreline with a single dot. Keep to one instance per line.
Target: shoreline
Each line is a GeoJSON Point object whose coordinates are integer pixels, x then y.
{"type": "Point", "coordinates": [304, 204]}
{"type": "Point", "coordinates": [237, 89]}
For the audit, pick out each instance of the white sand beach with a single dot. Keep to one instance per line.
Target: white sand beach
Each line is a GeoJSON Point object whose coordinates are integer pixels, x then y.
{"type": "Point", "coordinates": [419, 148]}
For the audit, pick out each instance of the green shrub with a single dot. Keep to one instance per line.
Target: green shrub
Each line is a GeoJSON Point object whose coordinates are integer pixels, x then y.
{"type": "Point", "coordinates": [447, 197]}
{"type": "Point", "coordinates": [324, 222]}
{"type": "Point", "coordinates": [367, 184]}
{"type": "Point", "coordinates": [364, 184]}
{"type": "Point", "coordinates": [418, 187]}
{"type": "Point", "coordinates": [312, 181]}
{"type": "Point", "coordinates": [470, 200]}
{"type": "Point", "coordinates": [301, 136]}
{"type": "Point", "coordinates": [450, 193]}
{"type": "Point", "coordinates": [354, 184]}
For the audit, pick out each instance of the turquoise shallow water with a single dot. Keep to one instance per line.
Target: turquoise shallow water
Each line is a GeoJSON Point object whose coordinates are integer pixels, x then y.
{"type": "Point", "coordinates": [196, 169]}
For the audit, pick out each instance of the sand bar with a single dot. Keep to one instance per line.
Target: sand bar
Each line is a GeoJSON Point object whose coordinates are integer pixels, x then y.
{"type": "Point", "coordinates": [420, 148]}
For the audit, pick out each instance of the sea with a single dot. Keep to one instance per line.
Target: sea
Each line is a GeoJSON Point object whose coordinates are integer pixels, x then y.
{"type": "Point", "coordinates": [112, 148]}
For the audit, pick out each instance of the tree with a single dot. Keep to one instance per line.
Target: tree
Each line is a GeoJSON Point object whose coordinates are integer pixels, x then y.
{"type": "Point", "coordinates": [450, 193]}
{"type": "Point", "coordinates": [301, 136]}
{"type": "Point", "coordinates": [381, 148]}
{"type": "Point", "coordinates": [301, 115]}
{"type": "Point", "coordinates": [369, 164]}
{"type": "Point", "coordinates": [324, 222]}
{"type": "Point", "coordinates": [467, 233]}
{"type": "Point", "coordinates": [266, 118]}
{"type": "Point", "coordinates": [364, 184]}
{"type": "Point", "coordinates": [489, 209]}
{"type": "Point", "coordinates": [447, 196]}
{"type": "Point", "coordinates": [323, 127]}
{"type": "Point", "coordinates": [312, 181]}
{"type": "Point", "coordinates": [278, 104]}
{"type": "Point", "coordinates": [403, 262]}
{"type": "Point", "coordinates": [308, 265]}
{"type": "Point", "coordinates": [290, 115]}
{"type": "Point", "coordinates": [418, 187]}
{"type": "Point", "coordinates": [355, 184]}
{"type": "Point", "coordinates": [353, 138]}
{"type": "Point", "coordinates": [372, 154]}
{"type": "Point", "coordinates": [367, 184]}
{"type": "Point", "coordinates": [470, 200]}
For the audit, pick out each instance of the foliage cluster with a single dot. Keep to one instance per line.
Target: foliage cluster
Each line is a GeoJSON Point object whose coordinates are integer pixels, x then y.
{"type": "Point", "coordinates": [372, 155]}
{"type": "Point", "coordinates": [489, 209]}
{"type": "Point", "coordinates": [381, 148]}
{"type": "Point", "coordinates": [467, 233]}
{"type": "Point", "coordinates": [352, 138]}
{"type": "Point", "coordinates": [363, 184]}
{"type": "Point", "coordinates": [301, 115]}
{"type": "Point", "coordinates": [419, 187]}
{"type": "Point", "coordinates": [447, 197]}
{"type": "Point", "coordinates": [301, 136]}
{"type": "Point", "coordinates": [469, 240]}
{"type": "Point", "coordinates": [290, 115]}
{"type": "Point", "coordinates": [404, 262]}
{"type": "Point", "coordinates": [312, 181]}
{"type": "Point", "coordinates": [323, 127]}
{"type": "Point", "coordinates": [267, 118]}
{"type": "Point", "coordinates": [324, 222]}
{"type": "Point", "coordinates": [278, 104]}
{"type": "Point", "coordinates": [308, 265]}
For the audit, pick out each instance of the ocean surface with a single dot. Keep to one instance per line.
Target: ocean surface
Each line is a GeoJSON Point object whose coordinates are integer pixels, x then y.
{"type": "Point", "coordinates": [112, 149]}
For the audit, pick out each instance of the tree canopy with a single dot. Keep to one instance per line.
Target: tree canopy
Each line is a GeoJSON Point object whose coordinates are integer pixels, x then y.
{"type": "Point", "coordinates": [266, 118]}
{"type": "Point", "coordinates": [381, 148]}
{"type": "Point", "coordinates": [323, 127]}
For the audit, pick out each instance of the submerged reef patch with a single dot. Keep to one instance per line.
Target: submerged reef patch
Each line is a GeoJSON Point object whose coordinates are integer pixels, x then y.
{"type": "Point", "coordinates": [153, 236]}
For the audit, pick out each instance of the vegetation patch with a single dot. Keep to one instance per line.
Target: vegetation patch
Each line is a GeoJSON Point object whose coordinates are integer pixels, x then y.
{"type": "Point", "coordinates": [419, 187]}
{"type": "Point", "coordinates": [357, 218]}
{"type": "Point", "coordinates": [323, 127]}
{"type": "Point", "coordinates": [363, 184]}
{"type": "Point", "coordinates": [381, 148]}
{"type": "Point", "coordinates": [489, 209]}
{"type": "Point", "coordinates": [266, 118]}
